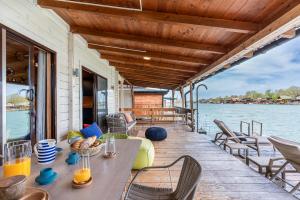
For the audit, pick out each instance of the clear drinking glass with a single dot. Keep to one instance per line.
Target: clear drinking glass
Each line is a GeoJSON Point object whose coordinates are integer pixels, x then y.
{"type": "Point", "coordinates": [110, 145]}
{"type": "Point", "coordinates": [83, 173]}
{"type": "Point", "coordinates": [17, 158]}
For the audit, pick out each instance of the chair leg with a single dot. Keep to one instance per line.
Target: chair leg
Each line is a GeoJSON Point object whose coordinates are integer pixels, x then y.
{"type": "Point", "coordinates": [258, 150]}
{"type": "Point", "coordinates": [295, 188]}
{"type": "Point", "coordinates": [279, 170]}
{"type": "Point", "coordinates": [247, 161]}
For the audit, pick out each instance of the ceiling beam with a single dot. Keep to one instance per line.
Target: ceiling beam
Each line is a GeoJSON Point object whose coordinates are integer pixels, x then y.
{"type": "Point", "coordinates": [151, 84]}
{"type": "Point", "coordinates": [154, 76]}
{"type": "Point", "coordinates": [152, 73]}
{"type": "Point", "coordinates": [154, 80]}
{"type": "Point", "coordinates": [157, 17]}
{"type": "Point", "coordinates": [140, 53]}
{"type": "Point", "coordinates": [143, 69]}
{"type": "Point", "coordinates": [150, 64]}
{"type": "Point", "coordinates": [216, 49]}
{"type": "Point", "coordinates": [278, 26]}
{"type": "Point", "coordinates": [141, 84]}
{"type": "Point", "coordinates": [150, 81]}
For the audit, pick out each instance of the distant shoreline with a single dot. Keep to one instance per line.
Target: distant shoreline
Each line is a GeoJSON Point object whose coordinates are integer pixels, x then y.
{"type": "Point", "coordinates": [292, 104]}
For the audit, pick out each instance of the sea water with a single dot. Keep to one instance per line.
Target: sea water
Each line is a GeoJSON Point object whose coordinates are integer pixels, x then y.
{"type": "Point", "coordinates": [278, 120]}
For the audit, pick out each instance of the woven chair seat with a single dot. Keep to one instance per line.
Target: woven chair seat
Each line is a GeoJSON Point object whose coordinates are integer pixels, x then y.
{"type": "Point", "coordinates": [141, 192]}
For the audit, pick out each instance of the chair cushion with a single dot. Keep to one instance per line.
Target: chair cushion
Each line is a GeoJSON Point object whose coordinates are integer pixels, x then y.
{"type": "Point", "coordinates": [128, 117]}
{"type": "Point", "coordinates": [73, 136]}
{"type": "Point", "coordinates": [92, 130]}
{"type": "Point", "coordinates": [156, 133]}
{"type": "Point", "coordinates": [146, 154]}
{"type": "Point", "coordinates": [86, 125]}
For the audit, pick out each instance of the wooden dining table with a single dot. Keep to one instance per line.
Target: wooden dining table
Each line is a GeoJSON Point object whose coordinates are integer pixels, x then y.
{"type": "Point", "coordinates": [110, 176]}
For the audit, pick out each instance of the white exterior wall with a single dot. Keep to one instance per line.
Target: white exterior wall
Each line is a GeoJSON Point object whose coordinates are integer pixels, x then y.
{"type": "Point", "coordinates": [127, 98]}
{"type": "Point", "coordinates": [48, 29]}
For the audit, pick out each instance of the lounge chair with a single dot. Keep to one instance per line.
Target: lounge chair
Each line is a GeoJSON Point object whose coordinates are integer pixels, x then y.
{"type": "Point", "coordinates": [291, 152]}
{"type": "Point", "coordinates": [238, 138]}
{"type": "Point", "coordinates": [186, 187]}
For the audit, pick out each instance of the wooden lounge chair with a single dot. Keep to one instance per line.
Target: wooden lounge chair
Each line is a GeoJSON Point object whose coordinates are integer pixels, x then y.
{"type": "Point", "coordinates": [291, 152]}
{"type": "Point", "coordinates": [239, 139]}
{"type": "Point", "coordinates": [265, 164]}
{"type": "Point", "coordinates": [186, 187]}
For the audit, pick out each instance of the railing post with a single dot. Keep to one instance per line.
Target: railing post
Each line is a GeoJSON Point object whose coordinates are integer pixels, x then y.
{"type": "Point", "coordinates": [192, 107]}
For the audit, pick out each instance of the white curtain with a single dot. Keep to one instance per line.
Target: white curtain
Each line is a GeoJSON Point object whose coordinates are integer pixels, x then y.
{"type": "Point", "coordinates": [41, 96]}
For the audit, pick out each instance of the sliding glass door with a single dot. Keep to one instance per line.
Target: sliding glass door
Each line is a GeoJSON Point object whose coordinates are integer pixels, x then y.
{"type": "Point", "coordinates": [27, 83]}
{"type": "Point", "coordinates": [20, 96]}
{"type": "Point", "coordinates": [101, 101]}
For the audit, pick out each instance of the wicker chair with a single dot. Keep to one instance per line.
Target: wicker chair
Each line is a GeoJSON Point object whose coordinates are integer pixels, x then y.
{"type": "Point", "coordinates": [186, 187]}
{"type": "Point", "coordinates": [117, 123]}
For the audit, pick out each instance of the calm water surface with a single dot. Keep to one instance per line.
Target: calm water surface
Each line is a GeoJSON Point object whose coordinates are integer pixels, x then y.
{"type": "Point", "coordinates": [279, 120]}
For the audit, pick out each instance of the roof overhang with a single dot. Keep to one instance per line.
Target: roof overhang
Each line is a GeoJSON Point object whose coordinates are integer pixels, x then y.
{"type": "Point", "coordinates": [170, 44]}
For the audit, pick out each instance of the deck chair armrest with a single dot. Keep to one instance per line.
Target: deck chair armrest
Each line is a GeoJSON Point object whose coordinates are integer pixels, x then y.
{"type": "Point", "coordinates": [273, 160]}
{"type": "Point", "coordinates": [245, 137]}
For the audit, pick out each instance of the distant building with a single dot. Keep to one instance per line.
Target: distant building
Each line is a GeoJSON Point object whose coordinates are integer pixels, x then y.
{"type": "Point", "coordinates": [284, 99]}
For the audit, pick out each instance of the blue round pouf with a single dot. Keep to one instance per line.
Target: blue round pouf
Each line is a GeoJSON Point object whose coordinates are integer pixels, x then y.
{"type": "Point", "coordinates": [156, 133]}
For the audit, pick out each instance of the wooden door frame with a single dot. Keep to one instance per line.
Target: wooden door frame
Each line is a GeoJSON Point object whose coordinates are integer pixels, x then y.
{"type": "Point", "coordinates": [95, 75]}
{"type": "Point", "coordinates": [7, 32]}
{"type": "Point", "coordinates": [2, 90]}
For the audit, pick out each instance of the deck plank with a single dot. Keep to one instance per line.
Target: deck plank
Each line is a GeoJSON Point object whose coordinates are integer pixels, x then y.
{"type": "Point", "coordinates": [224, 176]}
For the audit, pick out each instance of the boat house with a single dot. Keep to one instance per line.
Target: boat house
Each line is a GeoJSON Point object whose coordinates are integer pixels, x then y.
{"type": "Point", "coordinates": [76, 62]}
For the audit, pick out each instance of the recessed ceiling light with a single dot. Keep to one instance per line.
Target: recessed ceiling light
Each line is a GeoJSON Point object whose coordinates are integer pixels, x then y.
{"type": "Point", "coordinates": [147, 58]}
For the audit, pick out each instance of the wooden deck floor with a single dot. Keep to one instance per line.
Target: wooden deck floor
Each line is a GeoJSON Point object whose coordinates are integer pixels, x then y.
{"type": "Point", "coordinates": [224, 177]}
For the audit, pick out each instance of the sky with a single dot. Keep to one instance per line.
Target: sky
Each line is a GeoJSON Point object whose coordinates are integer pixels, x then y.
{"type": "Point", "coordinates": [278, 68]}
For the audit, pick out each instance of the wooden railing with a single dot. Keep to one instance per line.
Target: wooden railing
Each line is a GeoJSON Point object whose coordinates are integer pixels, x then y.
{"type": "Point", "coordinates": [189, 118]}
{"type": "Point", "coordinates": [157, 115]}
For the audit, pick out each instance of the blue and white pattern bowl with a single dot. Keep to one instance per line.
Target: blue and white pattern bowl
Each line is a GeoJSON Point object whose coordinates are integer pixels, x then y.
{"type": "Point", "coordinates": [45, 150]}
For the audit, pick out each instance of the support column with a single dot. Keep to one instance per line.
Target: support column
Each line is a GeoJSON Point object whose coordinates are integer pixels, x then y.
{"type": "Point", "coordinates": [182, 97]}
{"type": "Point", "coordinates": [122, 95]}
{"type": "Point", "coordinates": [173, 94]}
{"type": "Point", "coordinates": [192, 108]}
{"type": "Point", "coordinates": [132, 96]}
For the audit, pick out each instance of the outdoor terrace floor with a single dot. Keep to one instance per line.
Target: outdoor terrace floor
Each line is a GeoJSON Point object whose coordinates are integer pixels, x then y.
{"type": "Point", "coordinates": [224, 176]}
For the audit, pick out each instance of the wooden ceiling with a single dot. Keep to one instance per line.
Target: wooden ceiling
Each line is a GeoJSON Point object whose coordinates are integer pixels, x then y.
{"type": "Point", "coordinates": [169, 41]}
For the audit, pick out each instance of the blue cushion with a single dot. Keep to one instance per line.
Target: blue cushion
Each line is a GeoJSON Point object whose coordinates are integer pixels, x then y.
{"type": "Point", "coordinates": [156, 133]}
{"type": "Point", "coordinates": [92, 130]}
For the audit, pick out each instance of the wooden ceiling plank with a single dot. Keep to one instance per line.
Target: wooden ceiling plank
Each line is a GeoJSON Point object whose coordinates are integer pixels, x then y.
{"type": "Point", "coordinates": [157, 17]}
{"type": "Point", "coordinates": [151, 64]}
{"type": "Point", "coordinates": [140, 53]}
{"type": "Point", "coordinates": [155, 80]}
{"type": "Point", "coordinates": [143, 69]}
{"type": "Point", "coordinates": [216, 49]}
{"type": "Point", "coordinates": [151, 84]}
{"type": "Point", "coordinates": [150, 81]}
{"type": "Point", "coordinates": [154, 76]}
{"type": "Point", "coordinates": [271, 31]}
{"type": "Point", "coordinates": [153, 73]}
